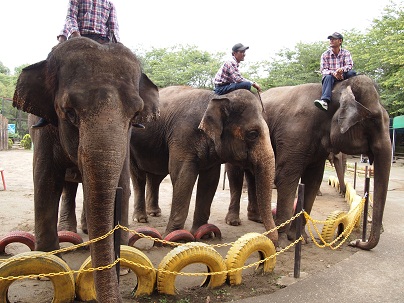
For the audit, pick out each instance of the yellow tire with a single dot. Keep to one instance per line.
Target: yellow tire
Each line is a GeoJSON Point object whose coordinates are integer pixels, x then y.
{"type": "Point", "coordinates": [335, 225]}
{"type": "Point", "coordinates": [184, 255]}
{"type": "Point", "coordinates": [35, 262]}
{"type": "Point", "coordinates": [243, 248]}
{"type": "Point", "coordinates": [146, 276]}
{"type": "Point", "coordinates": [353, 213]}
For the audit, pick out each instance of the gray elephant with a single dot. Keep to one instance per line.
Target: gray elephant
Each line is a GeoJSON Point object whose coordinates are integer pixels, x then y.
{"type": "Point", "coordinates": [91, 94]}
{"type": "Point", "coordinates": [303, 136]}
{"type": "Point", "coordinates": [197, 132]}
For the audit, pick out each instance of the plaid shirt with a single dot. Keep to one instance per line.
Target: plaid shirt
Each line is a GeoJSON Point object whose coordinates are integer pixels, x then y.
{"type": "Point", "coordinates": [91, 17]}
{"type": "Point", "coordinates": [331, 62]}
{"type": "Point", "coordinates": [229, 73]}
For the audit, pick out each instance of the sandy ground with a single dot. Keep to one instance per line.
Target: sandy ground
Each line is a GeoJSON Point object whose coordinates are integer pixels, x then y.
{"type": "Point", "coordinates": [17, 214]}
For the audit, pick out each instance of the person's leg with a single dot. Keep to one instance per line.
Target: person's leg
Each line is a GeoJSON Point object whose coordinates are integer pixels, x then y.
{"type": "Point", "coordinates": [328, 83]}
{"type": "Point", "coordinates": [221, 90]}
{"type": "Point", "coordinates": [349, 74]}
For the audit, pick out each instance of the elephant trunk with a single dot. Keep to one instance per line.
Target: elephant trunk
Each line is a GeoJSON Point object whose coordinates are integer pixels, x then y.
{"type": "Point", "coordinates": [101, 160]}
{"type": "Point", "coordinates": [264, 171]}
{"type": "Point", "coordinates": [382, 166]}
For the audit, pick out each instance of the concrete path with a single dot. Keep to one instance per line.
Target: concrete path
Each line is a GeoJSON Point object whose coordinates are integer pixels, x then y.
{"type": "Point", "coordinates": [366, 276]}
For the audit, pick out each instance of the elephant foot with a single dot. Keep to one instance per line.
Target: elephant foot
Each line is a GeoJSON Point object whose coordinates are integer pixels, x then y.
{"type": "Point", "coordinates": [141, 218]}
{"type": "Point", "coordinates": [291, 235]}
{"type": "Point", "coordinates": [67, 227]}
{"type": "Point", "coordinates": [84, 229]}
{"type": "Point", "coordinates": [154, 212]}
{"type": "Point", "coordinates": [252, 216]}
{"type": "Point", "coordinates": [233, 219]}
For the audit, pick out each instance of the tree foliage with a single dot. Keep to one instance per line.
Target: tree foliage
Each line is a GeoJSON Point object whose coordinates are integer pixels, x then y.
{"type": "Point", "coordinates": [181, 65]}
{"type": "Point", "coordinates": [380, 54]}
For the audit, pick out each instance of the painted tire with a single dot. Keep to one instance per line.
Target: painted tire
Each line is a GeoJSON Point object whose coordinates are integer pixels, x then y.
{"type": "Point", "coordinates": [148, 231]}
{"type": "Point", "coordinates": [38, 263]}
{"type": "Point", "coordinates": [336, 223]}
{"type": "Point", "coordinates": [180, 235]}
{"type": "Point", "coordinates": [207, 229]}
{"type": "Point", "coordinates": [352, 214]}
{"type": "Point", "coordinates": [243, 248]}
{"type": "Point", "coordinates": [70, 237]}
{"type": "Point", "coordinates": [184, 255]}
{"type": "Point", "coordinates": [146, 277]}
{"type": "Point", "coordinates": [17, 236]}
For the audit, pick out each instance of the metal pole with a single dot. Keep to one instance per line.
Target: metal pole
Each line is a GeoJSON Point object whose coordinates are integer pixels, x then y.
{"type": "Point", "coordinates": [224, 178]}
{"type": "Point", "coordinates": [365, 208]}
{"type": "Point", "coordinates": [299, 221]}
{"type": "Point", "coordinates": [117, 233]}
{"type": "Point", "coordinates": [354, 179]}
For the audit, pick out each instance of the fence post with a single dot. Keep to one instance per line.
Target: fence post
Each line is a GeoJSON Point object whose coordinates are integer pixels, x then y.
{"type": "Point", "coordinates": [365, 208]}
{"type": "Point", "coordinates": [299, 221]}
{"type": "Point", "coordinates": [117, 232]}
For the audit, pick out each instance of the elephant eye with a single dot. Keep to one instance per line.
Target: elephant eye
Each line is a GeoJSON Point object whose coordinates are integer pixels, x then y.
{"type": "Point", "coordinates": [252, 135]}
{"type": "Point", "coordinates": [71, 115]}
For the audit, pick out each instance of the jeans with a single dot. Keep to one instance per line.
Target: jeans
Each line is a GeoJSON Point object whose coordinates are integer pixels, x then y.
{"type": "Point", "coordinates": [328, 83]}
{"type": "Point", "coordinates": [227, 88]}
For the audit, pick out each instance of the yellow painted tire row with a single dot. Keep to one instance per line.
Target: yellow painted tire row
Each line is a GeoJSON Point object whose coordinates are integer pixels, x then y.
{"type": "Point", "coordinates": [337, 221]}
{"type": "Point", "coordinates": [181, 256]}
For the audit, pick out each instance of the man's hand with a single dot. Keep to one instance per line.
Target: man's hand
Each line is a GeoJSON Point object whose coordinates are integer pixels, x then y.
{"type": "Point", "coordinates": [339, 74]}
{"type": "Point", "coordinates": [62, 38]}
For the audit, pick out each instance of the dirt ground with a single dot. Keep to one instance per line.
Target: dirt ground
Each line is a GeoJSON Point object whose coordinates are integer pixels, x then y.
{"type": "Point", "coordinates": [17, 214]}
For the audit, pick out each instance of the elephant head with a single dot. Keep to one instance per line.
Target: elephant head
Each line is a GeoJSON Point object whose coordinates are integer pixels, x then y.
{"type": "Point", "coordinates": [241, 137]}
{"type": "Point", "coordinates": [361, 126]}
{"type": "Point", "coordinates": [90, 93]}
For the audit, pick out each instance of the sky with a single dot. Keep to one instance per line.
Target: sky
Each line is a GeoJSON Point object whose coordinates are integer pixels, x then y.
{"type": "Point", "coordinates": [29, 28]}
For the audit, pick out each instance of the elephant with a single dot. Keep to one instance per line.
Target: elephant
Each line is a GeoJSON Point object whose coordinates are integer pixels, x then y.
{"type": "Point", "coordinates": [90, 94]}
{"type": "Point", "coordinates": [197, 132]}
{"type": "Point", "coordinates": [303, 136]}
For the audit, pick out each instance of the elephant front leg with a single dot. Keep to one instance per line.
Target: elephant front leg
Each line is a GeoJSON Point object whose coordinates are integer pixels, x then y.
{"type": "Point", "coordinates": [311, 178]}
{"type": "Point", "coordinates": [67, 214]}
{"type": "Point", "coordinates": [235, 175]}
{"type": "Point", "coordinates": [183, 177]}
{"type": "Point", "coordinates": [152, 194]}
{"type": "Point", "coordinates": [207, 185]}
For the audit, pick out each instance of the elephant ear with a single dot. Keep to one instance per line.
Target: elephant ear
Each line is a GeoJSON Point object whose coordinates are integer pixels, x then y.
{"type": "Point", "coordinates": [212, 120]}
{"type": "Point", "coordinates": [148, 91]}
{"type": "Point", "coordinates": [31, 93]}
{"type": "Point", "coordinates": [351, 111]}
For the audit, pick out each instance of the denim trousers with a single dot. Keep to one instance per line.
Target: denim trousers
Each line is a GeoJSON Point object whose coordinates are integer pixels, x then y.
{"type": "Point", "coordinates": [328, 83]}
{"type": "Point", "coordinates": [227, 88]}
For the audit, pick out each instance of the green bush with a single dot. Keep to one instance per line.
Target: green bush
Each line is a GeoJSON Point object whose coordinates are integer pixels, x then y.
{"type": "Point", "coordinates": [26, 142]}
{"type": "Point", "coordinates": [10, 143]}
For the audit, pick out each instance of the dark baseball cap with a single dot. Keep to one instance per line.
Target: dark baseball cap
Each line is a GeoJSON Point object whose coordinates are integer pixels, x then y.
{"type": "Point", "coordinates": [239, 47]}
{"type": "Point", "coordinates": [336, 35]}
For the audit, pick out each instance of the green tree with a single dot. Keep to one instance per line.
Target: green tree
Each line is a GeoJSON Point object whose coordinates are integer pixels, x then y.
{"type": "Point", "coordinates": [181, 65]}
{"type": "Point", "coordinates": [294, 66]}
{"type": "Point", "coordinates": [380, 54]}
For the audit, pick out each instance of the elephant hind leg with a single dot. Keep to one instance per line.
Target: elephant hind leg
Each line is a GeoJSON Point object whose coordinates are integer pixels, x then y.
{"type": "Point", "coordinates": [139, 186]}
{"type": "Point", "coordinates": [67, 214]}
{"type": "Point", "coordinates": [253, 212]}
{"type": "Point", "coordinates": [152, 194]}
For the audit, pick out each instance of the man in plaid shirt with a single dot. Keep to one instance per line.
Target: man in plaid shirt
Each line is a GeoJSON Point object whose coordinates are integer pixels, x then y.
{"type": "Point", "coordinates": [336, 65]}
{"type": "Point", "coordinates": [95, 19]}
{"type": "Point", "coordinates": [228, 78]}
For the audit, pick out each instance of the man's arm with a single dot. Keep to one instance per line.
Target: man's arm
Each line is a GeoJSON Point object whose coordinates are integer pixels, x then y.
{"type": "Point", "coordinates": [112, 23]}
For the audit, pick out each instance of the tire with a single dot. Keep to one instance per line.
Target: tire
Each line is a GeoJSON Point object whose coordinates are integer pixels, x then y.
{"type": "Point", "coordinates": [184, 255]}
{"type": "Point", "coordinates": [336, 223]}
{"type": "Point", "coordinates": [38, 263]}
{"type": "Point", "coordinates": [207, 229]}
{"type": "Point", "coordinates": [180, 235]}
{"type": "Point", "coordinates": [70, 237]}
{"type": "Point", "coordinates": [148, 231]}
{"type": "Point", "coordinates": [17, 236]}
{"type": "Point", "coordinates": [146, 277]}
{"type": "Point", "coordinates": [243, 248]}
